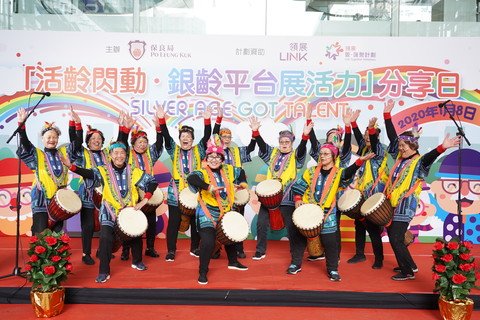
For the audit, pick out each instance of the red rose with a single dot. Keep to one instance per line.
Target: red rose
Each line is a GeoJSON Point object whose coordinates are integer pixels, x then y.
{"type": "Point", "coordinates": [453, 245]}
{"type": "Point", "coordinates": [40, 249]}
{"type": "Point", "coordinates": [465, 256]}
{"type": "Point", "coordinates": [51, 241]}
{"type": "Point", "coordinates": [438, 245]}
{"type": "Point", "coordinates": [440, 268]}
{"type": "Point", "coordinates": [465, 266]}
{"type": "Point", "coordinates": [468, 245]}
{"type": "Point", "coordinates": [447, 258]}
{"type": "Point", "coordinates": [49, 270]}
{"type": "Point", "coordinates": [67, 258]}
{"type": "Point", "coordinates": [56, 258]}
{"type": "Point", "coordinates": [28, 267]}
{"type": "Point", "coordinates": [435, 276]}
{"type": "Point", "coordinates": [65, 238]}
{"type": "Point", "coordinates": [458, 278]}
{"type": "Point", "coordinates": [33, 239]}
{"type": "Point", "coordinates": [69, 267]}
{"type": "Point", "coordinates": [63, 248]}
{"type": "Point", "coordinates": [33, 258]}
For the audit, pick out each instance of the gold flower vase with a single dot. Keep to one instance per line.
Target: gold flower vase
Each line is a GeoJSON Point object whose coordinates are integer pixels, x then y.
{"type": "Point", "coordinates": [48, 304]}
{"type": "Point", "coordinates": [455, 310]}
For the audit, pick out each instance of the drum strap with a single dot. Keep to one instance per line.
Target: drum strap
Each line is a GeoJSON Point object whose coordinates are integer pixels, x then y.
{"type": "Point", "coordinates": [207, 212]}
{"type": "Point", "coordinates": [327, 185]}
{"type": "Point", "coordinates": [334, 203]}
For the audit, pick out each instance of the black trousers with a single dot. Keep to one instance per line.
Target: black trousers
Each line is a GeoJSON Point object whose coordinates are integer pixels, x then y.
{"type": "Point", "coordinates": [331, 245]}
{"type": "Point", "coordinates": [174, 219]}
{"type": "Point", "coordinates": [107, 238]}
{"type": "Point", "coordinates": [375, 233]}
{"type": "Point", "coordinates": [87, 223]}
{"type": "Point", "coordinates": [207, 245]}
{"type": "Point", "coordinates": [40, 223]}
{"type": "Point", "coordinates": [396, 233]}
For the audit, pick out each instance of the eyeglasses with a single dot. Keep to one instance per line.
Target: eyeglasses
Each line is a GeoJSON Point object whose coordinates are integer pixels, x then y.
{"type": "Point", "coordinates": [226, 137]}
{"type": "Point", "coordinates": [325, 154]}
{"type": "Point", "coordinates": [214, 158]}
{"type": "Point", "coordinates": [285, 142]}
{"type": "Point", "coordinates": [6, 197]}
{"type": "Point", "coordinates": [452, 186]}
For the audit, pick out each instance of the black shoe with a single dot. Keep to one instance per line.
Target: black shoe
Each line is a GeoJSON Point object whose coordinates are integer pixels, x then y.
{"type": "Point", "coordinates": [377, 265]}
{"type": "Point", "coordinates": [102, 277]}
{"type": "Point", "coordinates": [195, 253]}
{"type": "Point", "coordinates": [316, 258]}
{"type": "Point", "coordinates": [151, 252]}
{"type": "Point", "coordinates": [258, 256]}
{"type": "Point", "coordinates": [216, 255]}
{"type": "Point", "coordinates": [402, 277]}
{"type": "Point", "coordinates": [241, 255]}
{"type": "Point", "coordinates": [357, 258]}
{"type": "Point", "coordinates": [294, 269]}
{"type": "Point", "coordinates": [202, 279]}
{"type": "Point", "coordinates": [334, 276]}
{"type": "Point", "coordinates": [139, 266]}
{"type": "Point", "coordinates": [237, 266]}
{"type": "Point", "coordinates": [87, 259]}
{"type": "Point", "coordinates": [398, 269]}
{"type": "Point", "coordinates": [170, 256]}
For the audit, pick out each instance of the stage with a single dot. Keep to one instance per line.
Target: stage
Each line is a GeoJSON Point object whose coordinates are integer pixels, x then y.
{"type": "Point", "coordinates": [265, 284]}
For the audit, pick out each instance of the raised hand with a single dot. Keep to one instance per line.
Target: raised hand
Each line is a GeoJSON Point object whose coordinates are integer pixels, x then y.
{"type": "Point", "coordinates": [355, 115]}
{"type": "Point", "coordinates": [368, 156]}
{"type": "Point", "coordinates": [159, 111]}
{"type": "Point", "coordinates": [254, 123]}
{"type": "Point", "coordinates": [208, 113]}
{"type": "Point", "coordinates": [451, 142]}
{"type": "Point", "coordinates": [307, 128]}
{"type": "Point", "coordinates": [308, 111]}
{"type": "Point", "coordinates": [388, 106]}
{"type": "Point", "coordinates": [219, 112]}
{"type": "Point", "coordinates": [129, 121]}
{"type": "Point", "coordinates": [372, 122]}
{"type": "Point", "coordinates": [21, 115]}
{"type": "Point", "coordinates": [347, 117]}
{"type": "Point", "coordinates": [121, 118]}
{"type": "Point", "coordinates": [74, 116]}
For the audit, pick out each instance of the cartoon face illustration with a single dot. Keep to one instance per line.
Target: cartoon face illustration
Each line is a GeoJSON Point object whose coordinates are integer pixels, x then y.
{"type": "Point", "coordinates": [425, 209]}
{"type": "Point", "coordinates": [8, 196]}
{"type": "Point", "coordinates": [447, 187]}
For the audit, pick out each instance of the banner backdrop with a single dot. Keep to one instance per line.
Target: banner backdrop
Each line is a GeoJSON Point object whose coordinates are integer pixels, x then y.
{"type": "Point", "coordinates": [273, 78]}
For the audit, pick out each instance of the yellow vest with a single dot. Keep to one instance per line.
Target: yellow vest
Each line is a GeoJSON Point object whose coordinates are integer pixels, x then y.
{"type": "Point", "coordinates": [210, 199]}
{"type": "Point", "coordinates": [404, 183]}
{"type": "Point", "coordinates": [235, 152]}
{"type": "Point", "coordinates": [290, 170]}
{"type": "Point", "coordinates": [114, 199]}
{"type": "Point", "coordinates": [308, 196]}
{"type": "Point", "coordinates": [147, 160]}
{"type": "Point", "coordinates": [46, 179]}
{"type": "Point", "coordinates": [177, 166]}
{"type": "Point", "coordinates": [366, 180]}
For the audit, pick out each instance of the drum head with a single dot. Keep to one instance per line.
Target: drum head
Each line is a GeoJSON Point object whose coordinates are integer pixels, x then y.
{"type": "Point", "coordinates": [132, 222]}
{"type": "Point", "coordinates": [156, 199]}
{"type": "Point", "coordinates": [235, 226]}
{"type": "Point", "coordinates": [349, 199]}
{"type": "Point", "coordinates": [308, 216]}
{"type": "Point", "coordinates": [372, 203]}
{"type": "Point", "coordinates": [242, 197]}
{"type": "Point", "coordinates": [188, 198]}
{"type": "Point", "coordinates": [268, 187]}
{"type": "Point", "coordinates": [68, 200]}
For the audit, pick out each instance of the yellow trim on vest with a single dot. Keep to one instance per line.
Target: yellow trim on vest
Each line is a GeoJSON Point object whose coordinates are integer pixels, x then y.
{"type": "Point", "coordinates": [332, 193]}
{"type": "Point", "coordinates": [405, 184]}
{"type": "Point", "coordinates": [289, 173]}
{"type": "Point", "coordinates": [197, 165]}
{"type": "Point", "coordinates": [209, 198]}
{"type": "Point", "coordinates": [42, 175]}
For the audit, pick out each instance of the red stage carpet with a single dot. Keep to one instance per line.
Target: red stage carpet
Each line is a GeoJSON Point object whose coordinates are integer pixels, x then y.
{"type": "Point", "coordinates": [264, 284]}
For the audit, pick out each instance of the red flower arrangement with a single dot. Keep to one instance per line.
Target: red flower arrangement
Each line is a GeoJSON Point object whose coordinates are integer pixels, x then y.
{"type": "Point", "coordinates": [49, 262]}
{"type": "Point", "coordinates": [453, 269]}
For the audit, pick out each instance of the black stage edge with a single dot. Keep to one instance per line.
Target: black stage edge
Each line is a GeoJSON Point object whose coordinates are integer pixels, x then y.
{"type": "Point", "coordinates": [291, 298]}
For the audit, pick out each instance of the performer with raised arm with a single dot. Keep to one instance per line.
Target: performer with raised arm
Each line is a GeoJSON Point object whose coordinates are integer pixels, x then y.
{"type": "Point", "coordinates": [215, 183]}
{"type": "Point", "coordinates": [319, 185]}
{"type": "Point", "coordinates": [334, 136]}
{"type": "Point", "coordinates": [50, 173]}
{"type": "Point", "coordinates": [120, 184]}
{"type": "Point", "coordinates": [404, 185]}
{"type": "Point", "coordinates": [143, 156]}
{"type": "Point", "coordinates": [283, 165]}
{"type": "Point", "coordinates": [186, 158]}
{"type": "Point", "coordinates": [235, 156]}
{"type": "Point", "coordinates": [369, 182]}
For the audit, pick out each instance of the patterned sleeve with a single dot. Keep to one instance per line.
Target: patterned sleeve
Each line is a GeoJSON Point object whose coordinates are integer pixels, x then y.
{"type": "Point", "coordinates": [244, 154]}
{"type": "Point", "coordinates": [301, 185]}
{"type": "Point", "coordinates": [265, 150]}
{"type": "Point", "coordinates": [196, 182]}
{"type": "Point", "coordinates": [147, 183]}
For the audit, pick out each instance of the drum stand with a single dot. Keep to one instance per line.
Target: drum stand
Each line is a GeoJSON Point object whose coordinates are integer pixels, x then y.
{"type": "Point", "coordinates": [461, 133]}
{"type": "Point", "coordinates": [16, 269]}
